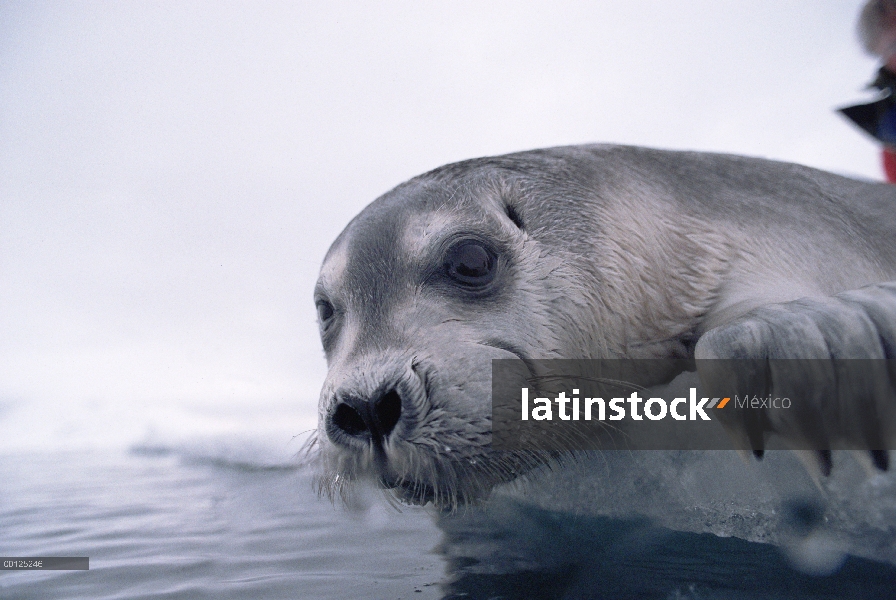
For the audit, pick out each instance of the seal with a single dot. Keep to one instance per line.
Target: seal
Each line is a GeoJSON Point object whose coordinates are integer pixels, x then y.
{"type": "Point", "coordinates": [595, 251]}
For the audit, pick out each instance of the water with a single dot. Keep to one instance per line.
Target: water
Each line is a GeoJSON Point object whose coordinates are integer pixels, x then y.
{"type": "Point", "coordinates": [163, 525]}
{"type": "Point", "coordinates": [207, 521]}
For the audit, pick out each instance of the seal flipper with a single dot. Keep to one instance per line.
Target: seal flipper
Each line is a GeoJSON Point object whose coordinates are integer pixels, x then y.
{"type": "Point", "coordinates": [846, 403]}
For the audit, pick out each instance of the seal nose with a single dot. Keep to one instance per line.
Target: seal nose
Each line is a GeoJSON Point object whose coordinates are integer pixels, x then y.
{"type": "Point", "coordinates": [374, 419]}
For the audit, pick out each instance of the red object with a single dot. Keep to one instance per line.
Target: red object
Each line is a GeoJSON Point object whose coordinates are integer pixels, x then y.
{"type": "Point", "coordinates": [889, 160]}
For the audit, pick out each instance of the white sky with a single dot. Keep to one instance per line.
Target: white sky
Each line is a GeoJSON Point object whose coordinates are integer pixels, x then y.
{"type": "Point", "coordinates": [172, 173]}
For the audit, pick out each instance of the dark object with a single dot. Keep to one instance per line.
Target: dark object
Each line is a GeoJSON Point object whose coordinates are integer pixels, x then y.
{"type": "Point", "coordinates": [885, 81]}
{"type": "Point", "coordinates": [802, 515]}
{"type": "Point", "coordinates": [869, 116]}
{"type": "Point", "coordinates": [877, 118]}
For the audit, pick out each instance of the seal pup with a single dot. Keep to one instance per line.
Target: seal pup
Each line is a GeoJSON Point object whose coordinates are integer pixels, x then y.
{"type": "Point", "coordinates": [593, 251]}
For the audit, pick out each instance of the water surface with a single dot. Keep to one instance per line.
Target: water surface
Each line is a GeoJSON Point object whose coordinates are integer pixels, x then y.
{"type": "Point", "coordinates": [161, 523]}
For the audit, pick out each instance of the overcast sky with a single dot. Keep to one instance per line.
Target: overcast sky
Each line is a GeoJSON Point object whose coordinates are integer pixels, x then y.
{"type": "Point", "coordinates": [172, 173]}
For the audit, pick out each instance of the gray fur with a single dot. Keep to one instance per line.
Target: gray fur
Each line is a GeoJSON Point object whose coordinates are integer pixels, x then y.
{"type": "Point", "coordinates": [622, 252]}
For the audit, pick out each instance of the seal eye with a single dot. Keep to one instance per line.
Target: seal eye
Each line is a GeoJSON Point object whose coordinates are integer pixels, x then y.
{"type": "Point", "coordinates": [470, 263]}
{"type": "Point", "coordinates": [324, 311]}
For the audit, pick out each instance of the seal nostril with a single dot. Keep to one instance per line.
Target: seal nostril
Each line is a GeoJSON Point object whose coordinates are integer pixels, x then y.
{"type": "Point", "coordinates": [349, 420]}
{"type": "Point", "coordinates": [372, 420]}
{"type": "Point", "coordinates": [388, 411]}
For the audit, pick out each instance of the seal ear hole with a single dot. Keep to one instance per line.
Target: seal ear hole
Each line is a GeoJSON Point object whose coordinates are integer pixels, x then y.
{"type": "Point", "coordinates": [514, 216]}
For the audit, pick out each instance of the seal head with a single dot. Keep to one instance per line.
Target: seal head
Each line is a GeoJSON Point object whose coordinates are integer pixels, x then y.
{"type": "Point", "coordinates": [523, 256]}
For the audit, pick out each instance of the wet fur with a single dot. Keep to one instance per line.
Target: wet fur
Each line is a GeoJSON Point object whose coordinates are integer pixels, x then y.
{"type": "Point", "coordinates": [608, 252]}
